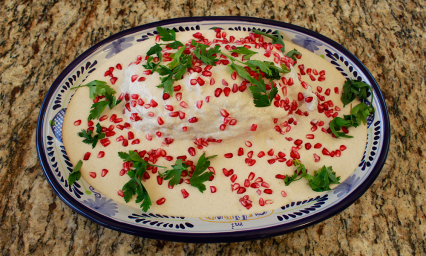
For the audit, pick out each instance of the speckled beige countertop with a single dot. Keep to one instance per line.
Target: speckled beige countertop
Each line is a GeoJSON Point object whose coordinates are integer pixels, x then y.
{"type": "Point", "coordinates": [38, 40]}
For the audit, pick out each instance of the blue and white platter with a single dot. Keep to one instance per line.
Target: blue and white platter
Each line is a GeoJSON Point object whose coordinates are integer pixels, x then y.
{"type": "Point", "coordinates": [82, 198]}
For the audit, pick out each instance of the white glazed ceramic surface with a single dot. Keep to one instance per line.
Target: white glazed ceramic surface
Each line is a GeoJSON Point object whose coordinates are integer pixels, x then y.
{"type": "Point", "coordinates": [95, 206]}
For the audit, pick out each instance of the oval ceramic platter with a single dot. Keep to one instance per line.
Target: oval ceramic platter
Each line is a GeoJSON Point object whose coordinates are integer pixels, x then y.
{"type": "Point", "coordinates": [82, 198]}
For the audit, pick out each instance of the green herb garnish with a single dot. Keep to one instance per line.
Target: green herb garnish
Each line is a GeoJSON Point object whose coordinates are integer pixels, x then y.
{"type": "Point", "coordinates": [89, 139]}
{"type": "Point", "coordinates": [242, 50]}
{"type": "Point", "coordinates": [174, 175]}
{"type": "Point", "coordinates": [200, 176]}
{"type": "Point", "coordinates": [206, 56]}
{"type": "Point", "coordinates": [321, 180]}
{"type": "Point", "coordinates": [276, 39]}
{"type": "Point", "coordinates": [97, 88]}
{"type": "Point", "coordinates": [75, 174]}
{"type": "Point", "coordinates": [134, 185]}
{"type": "Point", "coordinates": [292, 54]}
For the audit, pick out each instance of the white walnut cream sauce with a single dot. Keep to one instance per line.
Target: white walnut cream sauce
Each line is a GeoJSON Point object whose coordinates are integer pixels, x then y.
{"type": "Point", "coordinates": [212, 111]}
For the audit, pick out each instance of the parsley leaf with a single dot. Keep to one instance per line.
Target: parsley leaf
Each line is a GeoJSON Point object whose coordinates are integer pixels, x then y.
{"type": "Point", "coordinates": [353, 88]}
{"type": "Point", "coordinates": [276, 39]}
{"type": "Point", "coordinates": [112, 101]}
{"type": "Point", "coordinates": [134, 185]}
{"type": "Point", "coordinates": [292, 54]}
{"type": "Point", "coordinates": [97, 109]}
{"type": "Point", "coordinates": [271, 71]}
{"type": "Point", "coordinates": [299, 171]}
{"type": "Point", "coordinates": [174, 175]}
{"type": "Point", "coordinates": [97, 88]}
{"type": "Point", "coordinates": [242, 50]}
{"type": "Point", "coordinates": [166, 34]}
{"type": "Point", "coordinates": [199, 176]}
{"type": "Point", "coordinates": [321, 180]}
{"type": "Point", "coordinates": [206, 56]}
{"type": "Point", "coordinates": [362, 111]}
{"type": "Point", "coordinates": [88, 139]}
{"type": "Point", "coordinates": [156, 49]}
{"type": "Point", "coordinates": [337, 123]}
{"type": "Point", "coordinates": [75, 174]}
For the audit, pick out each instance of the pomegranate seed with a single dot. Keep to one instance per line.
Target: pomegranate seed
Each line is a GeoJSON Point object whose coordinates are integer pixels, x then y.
{"type": "Point", "coordinates": [92, 174]}
{"type": "Point", "coordinates": [271, 161]}
{"type": "Point", "coordinates": [248, 143]}
{"type": "Point", "coordinates": [104, 172]}
{"type": "Point", "coordinates": [113, 80]}
{"type": "Point", "coordinates": [289, 163]}
{"type": "Point", "coordinates": [217, 92]}
{"type": "Point", "coordinates": [135, 142]}
{"type": "Point", "coordinates": [298, 142]}
{"type": "Point", "coordinates": [233, 178]}
{"type": "Point", "coordinates": [191, 151]}
{"type": "Point", "coordinates": [317, 158]}
{"type": "Point", "coordinates": [240, 151]}
{"type": "Point", "coordinates": [166, 96]}
{"type": "Point", "coordinates": [86, 156]}
{"type": "Point", "coordinates": [181, 115]}
{"type": "Point", "coordinates": [213, 189]}
{"type": "Point", "coordinates": [224, 113]}
{"type": "Point", "coordinates": [184, 193]}
{"type": "Point", "coordinates": [241, 190]}
{"type": "Point", "coordinates": [228, 155]}
{"type": "Point", "coordinates": [325, 152]}
{"type": "Point", "coordinates": [199, 104]}
{"type": "Point", "coordinates": [280, 176]}
{"type": "Point", "coordinates": [77, 123]}
{"type": "Point", "coordinates": [342, 147]}
{"type": "Point", "coordinates": [235, 186]}
{"type": "Point", "coordinates": [261, 154]}
{"type": "Point", "coordinates": [160, 180]}
{"type": "Point", "coordinates": [160, 121]}
{"type": "Point", "coordinates": [308, 146]}
{"type": "Point", "coordinates": [109, 133]}
{"type": "Point", "coordinates": [265, 185]}
{"type": "Point", "coordinates": [253, 127]}
{"type": "Point", "coordinates": [193, 119]}
{"type": "Point", "coordinates": [300, 96]}
{"type": "Point", "coordinates": [318, 145]}
{"type": "Point", "coordinates": [267, 191]}
{"type": "Point", "coordinates": [101, 154]}
{"type": "Point", "coordinates": [327, 92]}
{"type": "Point", "coordinates": [161, 201]}
{"type": "Point", "coordinates": [105, 142]}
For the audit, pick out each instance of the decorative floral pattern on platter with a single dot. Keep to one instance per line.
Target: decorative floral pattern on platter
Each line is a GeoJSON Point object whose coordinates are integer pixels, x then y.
{"type": "Point", "coordinates": [60, 165]}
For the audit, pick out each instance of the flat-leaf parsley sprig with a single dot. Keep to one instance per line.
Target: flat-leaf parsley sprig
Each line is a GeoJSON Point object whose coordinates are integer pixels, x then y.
{"type": "Point", "coordinates": [134, 186]}
{"type": "Point", "coordinates": [351, 90]}
{"type": "Point", "coordinates": [75, 175]}
{"type": "Point", "coordinates": [319, 182]}
{"type": "Point", "coordinates": [97, 89]}
{"type": "Point", "coordinates": [89, 139]}
{"type": "Point", "coordinates": [198, 177]}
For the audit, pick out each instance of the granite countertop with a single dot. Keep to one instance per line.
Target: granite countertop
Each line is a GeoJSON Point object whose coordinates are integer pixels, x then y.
{"type": "Point", "coordinates": [38, 40]}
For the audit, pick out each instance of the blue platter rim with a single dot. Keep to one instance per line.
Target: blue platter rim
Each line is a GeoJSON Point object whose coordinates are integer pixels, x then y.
{"type": "Point", "coordinates": [216, 237]}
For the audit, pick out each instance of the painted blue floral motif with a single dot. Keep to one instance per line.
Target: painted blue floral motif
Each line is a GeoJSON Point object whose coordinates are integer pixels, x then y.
{"type": "Point", "coordinates": [104, 206]}
{"type": "Point", "coordinates": [306, 42]}
{"type": "Point", "coordinates": [56, 124]}
{"type": "Point", "coordinates": [155, 219]}
{"type": "Point", "coordinates": [346, 186]}
{"type": "Point", "coordinates": [318, 202]}
{"type": "Point", "coordinates": [118, 46]}
{"type": "Point", "coordinates": [370, 154]}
